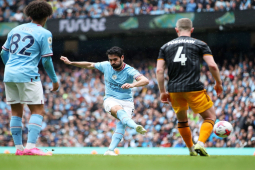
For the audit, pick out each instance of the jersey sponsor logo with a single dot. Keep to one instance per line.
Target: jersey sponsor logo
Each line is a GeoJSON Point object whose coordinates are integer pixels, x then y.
{"type": "Point", "coordinates": [181, 41]}
{"type": "Point", "coordinates": [114, 86]}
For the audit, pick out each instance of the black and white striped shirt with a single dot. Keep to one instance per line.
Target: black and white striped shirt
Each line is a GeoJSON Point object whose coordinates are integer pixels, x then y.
{"type": "Point", "coordinates": [182, 57]}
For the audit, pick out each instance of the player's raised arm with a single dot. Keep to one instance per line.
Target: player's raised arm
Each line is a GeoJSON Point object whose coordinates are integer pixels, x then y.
{"type": "Point", "coordinates": [213, 68]}
{"type": "Point", "coordinates": [140, 81]}
{"type": "Point", "coordinates": [82, 64]}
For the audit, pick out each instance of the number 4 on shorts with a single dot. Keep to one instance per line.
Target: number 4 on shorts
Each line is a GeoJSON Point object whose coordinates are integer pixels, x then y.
{"type": "Point", "coordinates": [180, 57]}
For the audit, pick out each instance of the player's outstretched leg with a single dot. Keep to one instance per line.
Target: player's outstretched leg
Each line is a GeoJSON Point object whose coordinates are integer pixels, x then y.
{"type": "Point", "coordinates": [116, 138]}
{"type": "Point", "coordinates": [34, 128]}
{"type": "Point", "coordinates": [185, 132]}
{"type": "Point", "coordinates": [16, 130]}
{"type": "Point", "coordinates": [126, 120]}
{"type": "Point", "coordinates": [205, 131]}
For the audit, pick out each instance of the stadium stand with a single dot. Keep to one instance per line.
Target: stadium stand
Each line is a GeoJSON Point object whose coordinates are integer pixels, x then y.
{"type": "Point", "coordinates": [11, 10]}
{"type": "Point", "coordinates": [75, 116]}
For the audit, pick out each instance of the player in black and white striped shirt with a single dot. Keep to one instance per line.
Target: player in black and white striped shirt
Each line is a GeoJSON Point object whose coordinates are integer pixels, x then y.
{"type": "Point", "coordinates": [181, 57]}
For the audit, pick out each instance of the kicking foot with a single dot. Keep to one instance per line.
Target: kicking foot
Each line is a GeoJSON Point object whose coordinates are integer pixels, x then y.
{"type": "Point", "coordinates": [193, 153]}
{"type": "Point", "coordinates": [35, 151]}
{"type": "Point", "coordinates": [111, 153]}
{"type": "Point", "coordinates": [19, 152]}
{"type": "Point", "coordinates": [140, 129]}
{"type": "Point", "coordinates": [201, 150]}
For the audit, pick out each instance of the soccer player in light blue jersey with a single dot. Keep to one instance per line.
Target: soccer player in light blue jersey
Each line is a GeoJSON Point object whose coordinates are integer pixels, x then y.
{"type": "Point", "coordinates": [26, 44]}
{"type": "Point", "coordinates": [118, 101]}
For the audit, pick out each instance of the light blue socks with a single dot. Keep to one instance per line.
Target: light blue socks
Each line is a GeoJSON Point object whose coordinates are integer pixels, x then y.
{"type": "Point", "coordinates": [16, 130]}
{"type": "Point", "coordinates": [117, 136]}
{"type": "Point", "coordinates": [125, 119]}
{"type": "Point", "coordinates": [34, 128]}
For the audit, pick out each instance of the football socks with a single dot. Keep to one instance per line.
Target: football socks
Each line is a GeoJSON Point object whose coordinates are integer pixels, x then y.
{"type": "Point", "coordinates": [125, 119]}
{"type": "Point", "coordinates": [117, 136]}
{"type": "Point", "coordinates": [16, 130]}
{"type": "Point", "coordinates": [206, 130]}
{"type": "Point", "coordinates": [185, 132]}
{"type": "Point", "coordinates": [34, 128]}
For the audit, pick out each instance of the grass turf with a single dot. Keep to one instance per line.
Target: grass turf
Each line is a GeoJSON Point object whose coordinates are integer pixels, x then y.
{"type": "Point", "coordinates": [125, 162]}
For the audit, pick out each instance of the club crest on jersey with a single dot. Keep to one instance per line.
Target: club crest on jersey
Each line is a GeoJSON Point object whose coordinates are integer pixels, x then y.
{"type": "Point", "coordinates": [49, 40]}
{"type": "Point", "coordinates": [114, 77]}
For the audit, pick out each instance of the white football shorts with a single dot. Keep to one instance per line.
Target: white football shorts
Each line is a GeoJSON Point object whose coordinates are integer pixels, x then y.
{"type": "Point", "coordinates": [24, 93]}
{"type": "Point", "coordinates": [126, 105]}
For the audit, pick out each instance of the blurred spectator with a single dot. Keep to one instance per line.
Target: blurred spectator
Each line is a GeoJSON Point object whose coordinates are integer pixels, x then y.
{"type": "Point", "coordinates": [220, 3]}
{"type": "Point", "coordinates": [237, 4]}
{"type": "Point", "coordinates": [199, 8]}
{"type": "Point", "coordinates": [177, 6]}
{"type": "Point", "coordinates": [208, 8]}
{"type": "Point", "coordinates": [18, 16]}
{"type": "Point", "coordinates": [228, 7]}
{"type": "Point", "coordinates": [184, 4]}
{"type": "Point", "coordinates": [104, 8]}
{"type": "Point", "coordinates": [1, 15]}
{"type": "Point", "coordinates": [191, 6]}
{"type": "Point", "coordinates": [253, 4]}
{"type": "Point", "coordinates": [169, 6]}
{"type": "Point", "coordinates": [179, 143]}
{"type": "Point", "coordinates": [156, 11]}
{"type": "Point", "coordinates": [7, 14]}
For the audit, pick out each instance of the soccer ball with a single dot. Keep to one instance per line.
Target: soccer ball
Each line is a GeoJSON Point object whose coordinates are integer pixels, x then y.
{"type": "Point", "coordinates": [222, 129]}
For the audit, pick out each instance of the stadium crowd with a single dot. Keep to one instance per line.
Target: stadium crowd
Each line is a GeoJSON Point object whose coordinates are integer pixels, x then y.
{"type": "Point", "coordinates": [12, 10]}
{"type": "Point", "coordinates": [74, 116]}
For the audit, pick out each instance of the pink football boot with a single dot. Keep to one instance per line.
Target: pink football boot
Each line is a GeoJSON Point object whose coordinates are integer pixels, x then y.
{"type": "Point", "coordinates": [35, 151]}
{"type": "Point", "coordinates": [19, 152]}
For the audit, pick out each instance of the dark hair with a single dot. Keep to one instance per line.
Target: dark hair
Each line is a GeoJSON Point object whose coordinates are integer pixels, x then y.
{"type": "Point", "coordinates": [115, 51]}
{"type": "Point", "coordinates": [38, 10]}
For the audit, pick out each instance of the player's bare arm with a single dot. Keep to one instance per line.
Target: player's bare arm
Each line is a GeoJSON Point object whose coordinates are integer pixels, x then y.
{"type": "Point", "coordinates": [140, 81]}
{"type": "Point", "coordinates": [82, 64]}
{"type": "Point", "coordinates": [213, 68]}
{"type": "Point", "coordinates": [164, 96]}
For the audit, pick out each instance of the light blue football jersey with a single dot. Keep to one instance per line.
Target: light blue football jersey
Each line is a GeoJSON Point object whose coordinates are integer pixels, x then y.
{"type": "Point", "coordinates": [26, 44]}
{"type": "Point", "coordinates": [115, 79]}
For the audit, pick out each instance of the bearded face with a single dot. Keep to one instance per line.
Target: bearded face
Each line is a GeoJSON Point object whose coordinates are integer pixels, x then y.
{"type": "Point", "coordinates": [116, 61]}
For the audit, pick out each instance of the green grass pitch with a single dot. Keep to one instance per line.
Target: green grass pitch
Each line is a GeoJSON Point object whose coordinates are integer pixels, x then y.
{"type": "Point", "coordinates": [125, 162]}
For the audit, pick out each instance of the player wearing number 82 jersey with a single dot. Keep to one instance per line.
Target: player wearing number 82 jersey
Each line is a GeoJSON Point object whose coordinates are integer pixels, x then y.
{"type": "Point", "coordinates": [26, 44]}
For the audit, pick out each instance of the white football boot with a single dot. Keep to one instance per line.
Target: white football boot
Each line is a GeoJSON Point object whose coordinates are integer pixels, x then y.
{"type": "Point", "coordinates": [111, 153]}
